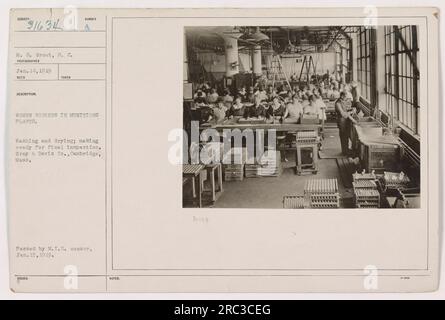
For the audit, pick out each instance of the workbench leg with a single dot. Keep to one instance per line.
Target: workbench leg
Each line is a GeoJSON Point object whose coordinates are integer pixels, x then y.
{"type": "Point", "coordinates": [322, 124]}
{"type": "Point", "coordinates": [298, 160]}
{"type": "Point", "coordinates": [315, 158]}
{"type": "Point", "coordinates": [193, 188]}
{"type": "Point", "coordinates": [201, 180]}
{"type": "Point", "coordinates": [220, 177]}
{"type": "Point", "coordinates": [199, 191]}
{"type": "Point", "coordinates": [212, 183]}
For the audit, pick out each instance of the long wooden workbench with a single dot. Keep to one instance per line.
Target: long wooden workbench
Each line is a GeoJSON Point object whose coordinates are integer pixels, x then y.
{"type": "Point", "coordinates": [279, 127]}
{"type": "Point", "coordinates": [282, 143]}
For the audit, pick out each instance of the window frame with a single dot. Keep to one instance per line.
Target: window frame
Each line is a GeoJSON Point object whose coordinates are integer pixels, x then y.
{"type": "Point", "coordinates": [402, 75]}
{"type": "Point", "coordinates": [366, 64]}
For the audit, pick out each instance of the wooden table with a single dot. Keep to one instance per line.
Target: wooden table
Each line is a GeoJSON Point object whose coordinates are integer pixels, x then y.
{"type": "Point", "coordinates": [282, 129]}
{"type": "Point", "coordinates": [193, 171]}
{"type": "Point", "coordinates": [216, 185]}
{"type": "Point", "coordinates": [279, 127]}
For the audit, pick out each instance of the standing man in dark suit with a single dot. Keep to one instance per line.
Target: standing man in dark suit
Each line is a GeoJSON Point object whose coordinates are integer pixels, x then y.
{"type": "Point", "coordinates": [344, 122]}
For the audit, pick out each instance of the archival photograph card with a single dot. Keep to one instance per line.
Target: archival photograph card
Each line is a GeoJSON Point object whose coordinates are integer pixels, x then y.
{"type": "Point", "coordinates": [223, 150]}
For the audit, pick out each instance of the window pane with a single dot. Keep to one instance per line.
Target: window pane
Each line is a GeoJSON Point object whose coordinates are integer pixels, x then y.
{"type": "Point", "coordinates": [401, 84]}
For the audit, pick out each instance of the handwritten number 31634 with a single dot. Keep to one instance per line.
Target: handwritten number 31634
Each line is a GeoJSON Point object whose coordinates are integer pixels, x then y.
{"type": "Point", "coordinates": [46, 25]}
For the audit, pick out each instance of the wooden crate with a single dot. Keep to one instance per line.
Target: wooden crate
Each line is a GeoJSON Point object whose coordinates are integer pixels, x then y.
{"type": "Point", "coordinates": [251, 170]}
{"type": "Point", "coordinates": [379, 157]}
{"type": "Point", "coordinates": [322, 193]}
{"type": "Point", "coordinates": [366, 198]}
{"type": "Point", "coordinates": [270, 164]}
{"type": "Point", "coordinates": [233, 164]}
{"type": "Point", "coordinates": [294, 202]}
{"type": "Point", "coordinates": [234, 172]}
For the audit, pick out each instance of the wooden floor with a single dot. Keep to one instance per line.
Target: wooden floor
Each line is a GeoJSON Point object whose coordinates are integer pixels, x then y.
{"type": "Point", "coordinates": [268, 192]}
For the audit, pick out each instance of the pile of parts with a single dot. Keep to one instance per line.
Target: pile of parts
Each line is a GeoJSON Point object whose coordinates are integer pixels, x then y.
{"type": "Point", "coordinates": [294, 202]}
{"type": "Point", "coordinates": [318, 194]}
{"type": "Point", "coordinates": [322, 193]}
{"type": "Point", "coordinates": [395, 180]}
{"type": "Point", "coordinates": [366, 193]}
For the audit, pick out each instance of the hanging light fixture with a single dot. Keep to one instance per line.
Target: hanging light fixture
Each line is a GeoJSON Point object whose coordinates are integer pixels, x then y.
{"type": "Point", "coordinates": [259, 36]}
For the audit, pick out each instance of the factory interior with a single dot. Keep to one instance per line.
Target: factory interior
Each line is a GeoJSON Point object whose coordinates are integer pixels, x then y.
{"type": "Point", "coordinates": [326, 116]}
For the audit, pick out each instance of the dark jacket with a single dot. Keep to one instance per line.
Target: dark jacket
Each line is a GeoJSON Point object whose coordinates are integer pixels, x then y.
{"type": "Point", "coordinates": [236, 112]}
{"type": "Point", "coordinates": [254, 112]}
{"type": "Point", "coordinates": [279, 112]}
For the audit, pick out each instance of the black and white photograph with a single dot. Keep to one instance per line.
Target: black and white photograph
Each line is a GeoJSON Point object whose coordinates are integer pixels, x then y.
{"type": "Point", "coordinates": [301, 117]}
{"type": "Point", "coordinates": [222, 151]}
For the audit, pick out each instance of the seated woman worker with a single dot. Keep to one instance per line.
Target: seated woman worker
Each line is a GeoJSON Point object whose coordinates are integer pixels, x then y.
{"type": "Point", "coordinates": [255, 111]}
{"type": "Point", "coordinates": [237, 109]}
{"type": "Point", "coordinates": [312, 108]}
{"type": "Point", "coordinates": [293, 111]}
{"type": "Point", "coordinates": [200, 98]}
{"type": "Point", "coordinates": [276, 109]}
{"type": "Point", "coordinates": [320, 105]}
{"type": "Point", "coordinates": [219, 110]}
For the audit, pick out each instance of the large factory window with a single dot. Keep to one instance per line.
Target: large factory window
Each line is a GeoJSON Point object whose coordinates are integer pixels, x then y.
{"type": "Point", "coordinates": [402, 74]}
{"type": "Point", "coordinates": [366, 62]}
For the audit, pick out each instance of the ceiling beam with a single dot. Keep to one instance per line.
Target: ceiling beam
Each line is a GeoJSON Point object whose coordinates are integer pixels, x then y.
{"type": "Point", "coordinates": [334, 39]}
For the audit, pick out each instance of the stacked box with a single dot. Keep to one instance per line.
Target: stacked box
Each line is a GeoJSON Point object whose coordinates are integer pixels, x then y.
{"type": "Point", "coordinates": [367, 198]}
{"type": "Point", "coordinates": [307, 137]}
{"type": "Point", "coordinates": [234, 172]}
{"type": "Point", "coordinates": [270, 164]}
{"type": "Point", "coordinates": [364, 184]}
{"type": "Point", "coordinates": [322, 193]}
{"type": "Point", "coordinates": [234, 161]}
{"type": "Point", "coordinates": [395, 180]}
{"type": "Point", "coordinates": [366, 194]}
{"type": "Point", "coordinates": [251, 170]}
{"type": "Point", "coordinates": [363, 176]}
{"type": "Point", "coordinates": [293, 202]}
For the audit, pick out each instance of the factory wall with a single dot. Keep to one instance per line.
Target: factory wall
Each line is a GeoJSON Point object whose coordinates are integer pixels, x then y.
{"type": "Point", "coordinates": [215, 63]}
{"type": "Point", "coordinates": [323, 61]}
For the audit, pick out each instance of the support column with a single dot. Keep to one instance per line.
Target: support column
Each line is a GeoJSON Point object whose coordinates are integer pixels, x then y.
{"type": "Point", "coordinates": [231, 51]}
{"type": "Point", "coordinates": [267, 58]}
{"type": "Point", "coordinates": [256, 61]}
